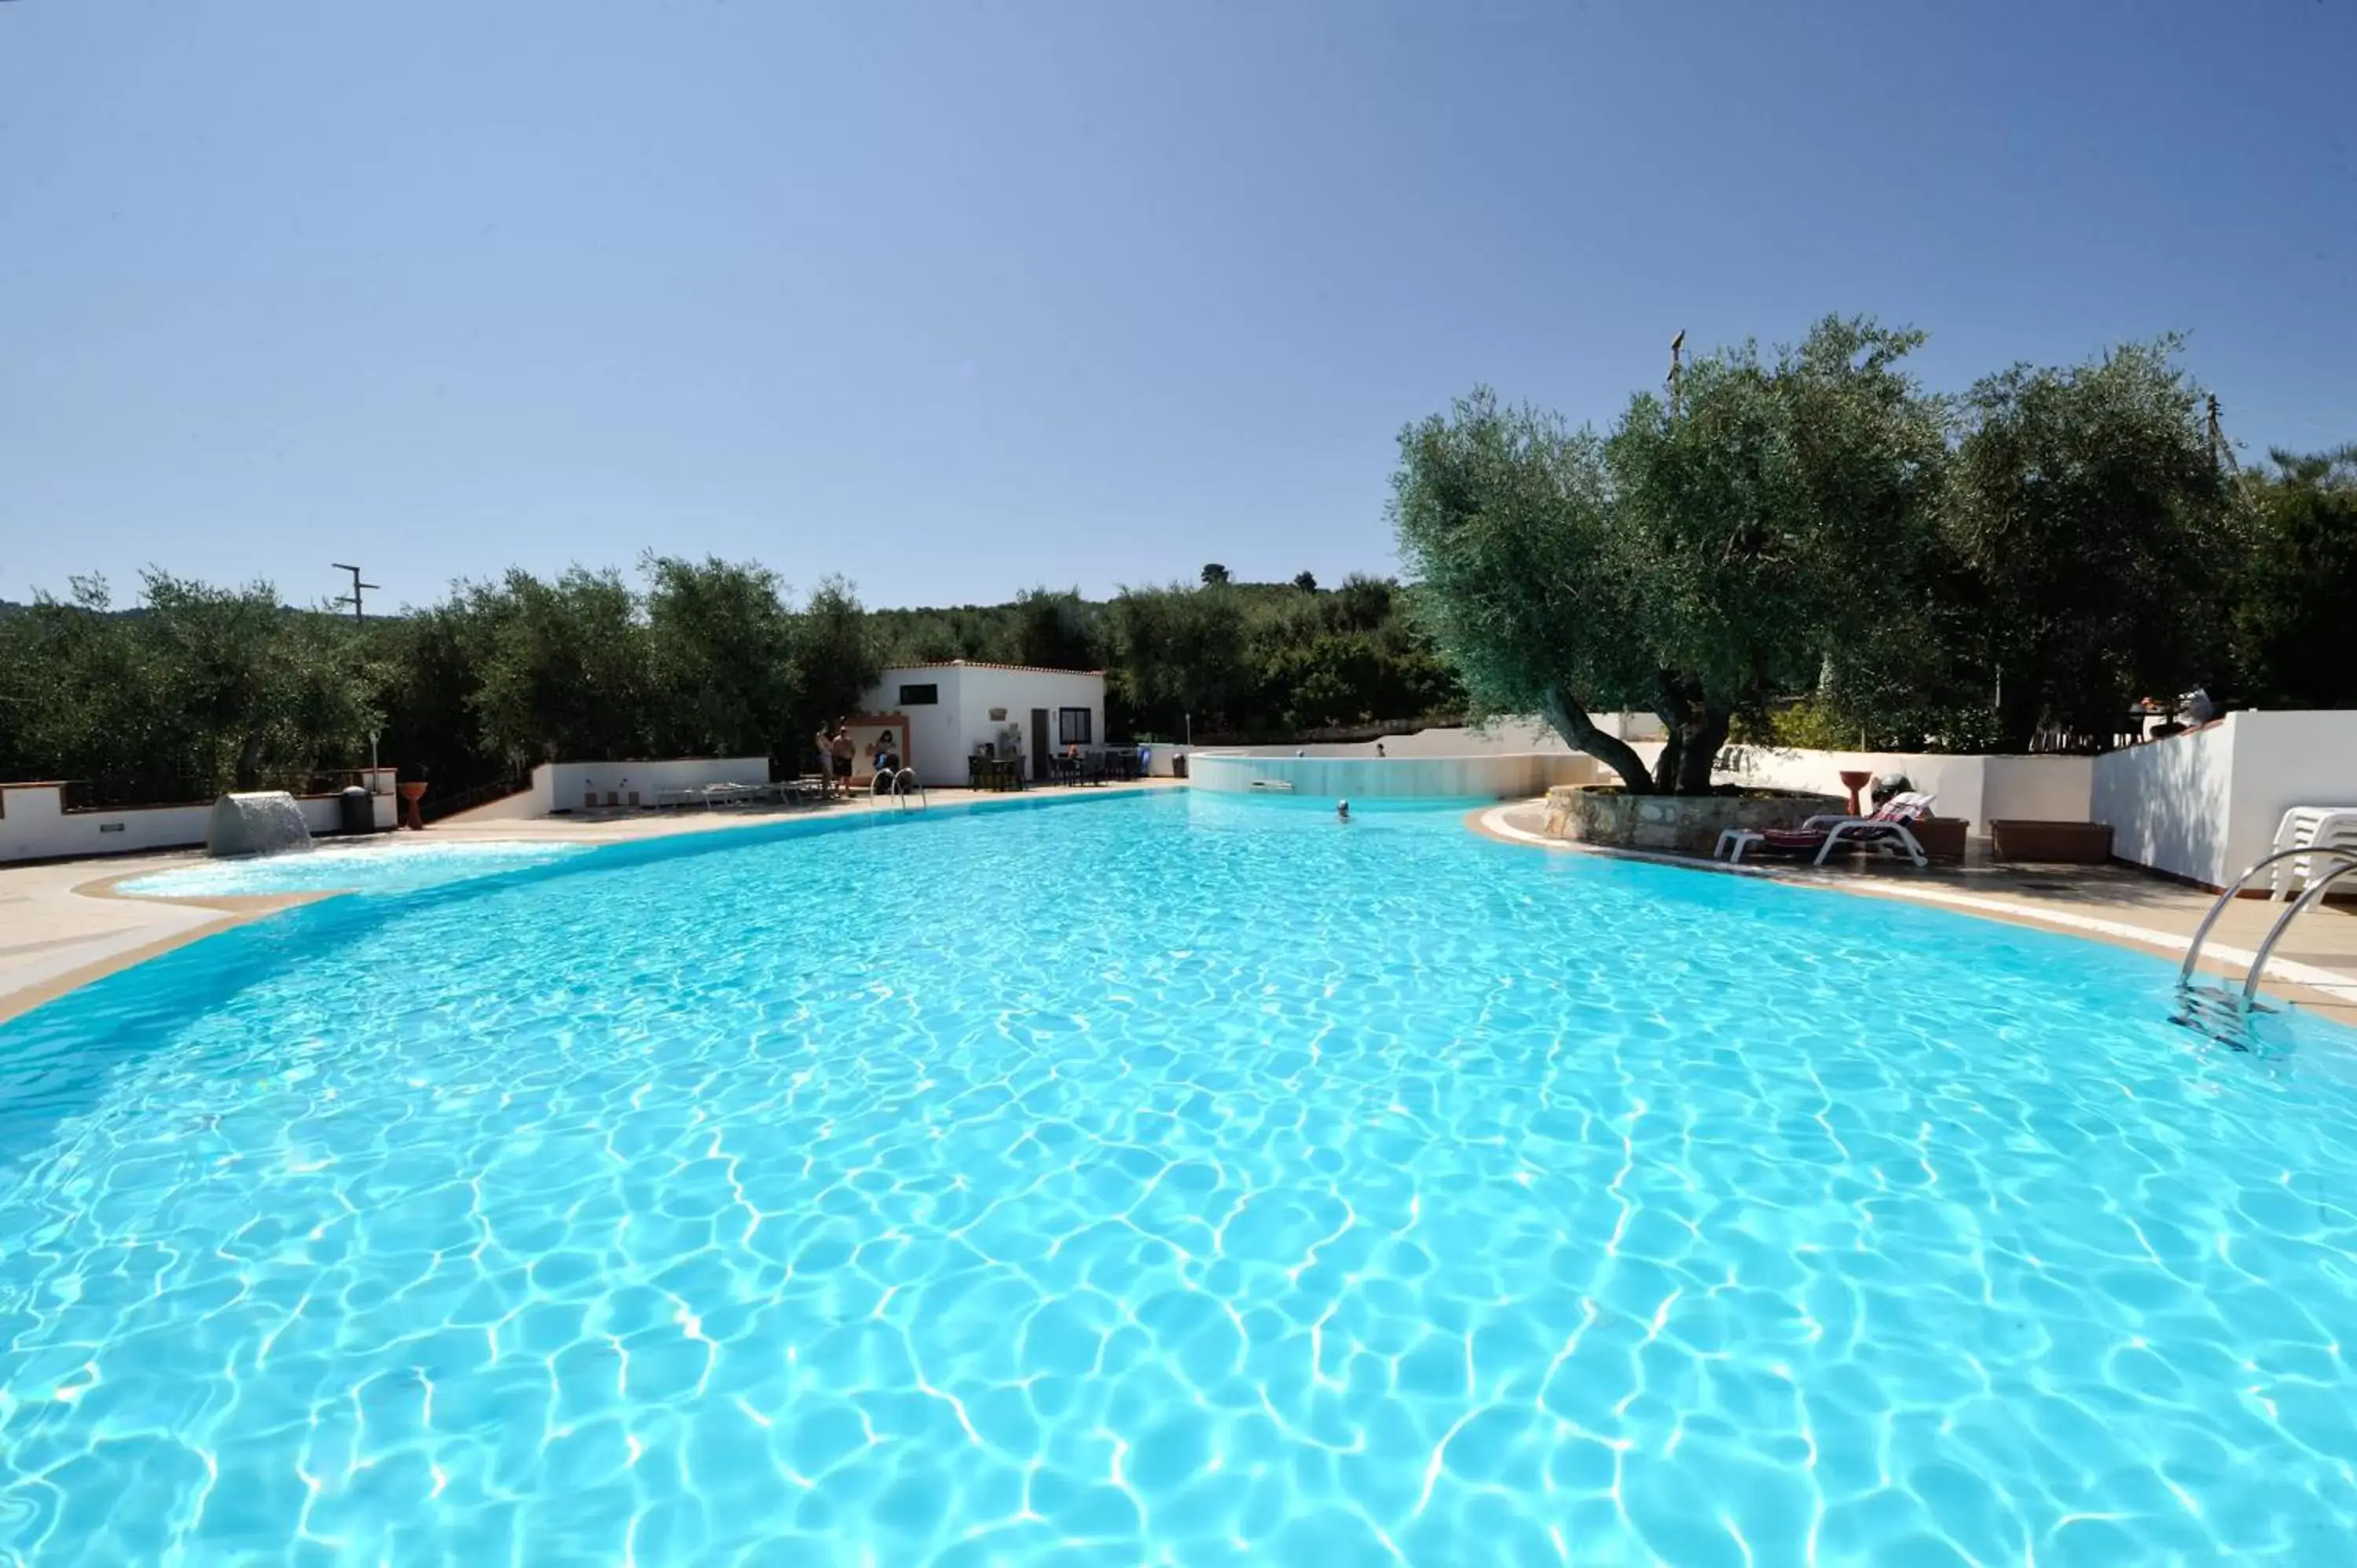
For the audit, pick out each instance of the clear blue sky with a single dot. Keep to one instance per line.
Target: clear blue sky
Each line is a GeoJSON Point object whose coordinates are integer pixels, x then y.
{"type": "Point", "coordinates": [954, 298]}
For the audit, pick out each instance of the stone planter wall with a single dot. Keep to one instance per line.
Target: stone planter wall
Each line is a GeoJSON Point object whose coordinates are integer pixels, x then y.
{"type": "Point", "coordinates": [1673, 824]}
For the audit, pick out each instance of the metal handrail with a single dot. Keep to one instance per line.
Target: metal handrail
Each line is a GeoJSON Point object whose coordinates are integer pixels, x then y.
{"type": "Point", "coordinates": [2314, 891]}
{"type": "Point", "coordinates": [899, 786]}
{"type": "Point", "coordinates": [2317, 887]}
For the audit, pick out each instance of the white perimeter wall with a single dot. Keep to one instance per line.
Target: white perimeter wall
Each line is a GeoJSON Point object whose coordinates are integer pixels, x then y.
{"type": "Point", "coordinates": [35, 824]}
{"type": "Point", "coordinates": [2281, 760]}
{"type": "Point", "coordinates": [1981, 790]}
{"type": "Point", "coordinates": [2169, 801]}
{"type": "Point", "coordinates": [1486, 777]}
{"type": "Point", "coordinates": [1506, 738]}
{"type": "Point", "coordinates": [2204, 804]}
{"type": "Point", "coordinates": [565, 786]}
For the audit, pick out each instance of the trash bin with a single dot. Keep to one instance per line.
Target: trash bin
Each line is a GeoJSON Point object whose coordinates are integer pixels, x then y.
{"type": "Point", "coordinates": [1178, 765]}
{"type": "Point", "coordinates": [355, 813]}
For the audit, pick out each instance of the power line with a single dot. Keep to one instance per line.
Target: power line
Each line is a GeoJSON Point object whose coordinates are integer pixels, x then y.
{"type": "Point", "coordinates": [354, 598]}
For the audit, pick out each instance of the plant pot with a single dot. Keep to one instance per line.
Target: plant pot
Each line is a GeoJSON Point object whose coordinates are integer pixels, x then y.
{"type": "Point", "coordinates": [2069, 843]}
{"type": "Point", "coordinates": [1942, 838]}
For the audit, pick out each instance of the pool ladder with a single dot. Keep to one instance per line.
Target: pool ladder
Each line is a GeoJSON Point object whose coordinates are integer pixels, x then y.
{"type": "Point", "coordinates": [2220, 1011]}
{"type": "Point", "coordinates": [900, 788]}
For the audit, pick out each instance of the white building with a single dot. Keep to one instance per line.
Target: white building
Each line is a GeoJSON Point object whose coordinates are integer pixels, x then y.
{"type": "Point", "coordinates": [951, 712]}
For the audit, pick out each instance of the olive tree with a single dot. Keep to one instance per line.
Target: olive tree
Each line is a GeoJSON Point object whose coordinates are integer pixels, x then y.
{"type": "Point", "coordinates": [1778, 518]}
{"type": "Point", "coordinates": [837, 656]}
{"type": "Point", "coordinates": [2089, 507]}
{"type": "Point", "coordinates": [561, 666]}
{"type": "Point", "coordinates": [719, 656]}
{"type": "Point", "coordinates": [1694, 564]}
{"type": "Point", "coordinates": [1505, 522]}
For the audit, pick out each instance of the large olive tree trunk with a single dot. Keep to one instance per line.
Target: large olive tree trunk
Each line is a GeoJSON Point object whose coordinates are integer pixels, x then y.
{"type": "Point", "coordinates": [1580, 732]}
{"type": "Point", "coordinates": [1694, 730]}
{"type": "Point", "coordinates": [1704, 739]}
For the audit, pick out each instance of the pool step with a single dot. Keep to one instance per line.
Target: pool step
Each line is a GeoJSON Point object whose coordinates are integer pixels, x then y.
{"type": "Point", "coordinates": [2218, 1011]}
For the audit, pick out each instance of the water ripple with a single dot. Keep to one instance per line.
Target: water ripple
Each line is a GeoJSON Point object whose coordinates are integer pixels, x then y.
{"type": "Point", "coordinates": [1176, 1181]}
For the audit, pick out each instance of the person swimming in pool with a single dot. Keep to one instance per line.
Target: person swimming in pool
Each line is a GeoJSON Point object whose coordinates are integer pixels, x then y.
{"type": "Point", "coordinates": [1342, 812]}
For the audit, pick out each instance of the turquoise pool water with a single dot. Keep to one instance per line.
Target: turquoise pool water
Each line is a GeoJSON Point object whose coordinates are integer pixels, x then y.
{"type": "Point", "coordinates": [391, 865]}
{"type": "Point", "coordinates": [1170, 1180]}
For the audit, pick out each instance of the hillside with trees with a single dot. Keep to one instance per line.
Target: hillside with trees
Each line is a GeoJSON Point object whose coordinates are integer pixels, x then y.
{"type": "Point", "coordinates": [195, 688]}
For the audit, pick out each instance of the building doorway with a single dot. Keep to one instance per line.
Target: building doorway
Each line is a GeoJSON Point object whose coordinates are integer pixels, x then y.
{"type": "Point", "coordinates": [1039, 745]}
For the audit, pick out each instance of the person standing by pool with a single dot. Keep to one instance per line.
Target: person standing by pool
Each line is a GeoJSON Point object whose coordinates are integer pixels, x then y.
{"type": "Point", "coordinates": [840, 749]}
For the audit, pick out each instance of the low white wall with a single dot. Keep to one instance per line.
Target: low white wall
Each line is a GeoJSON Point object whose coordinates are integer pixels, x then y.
{"type": "Point", "coordinates": [1956, 783]}
{"type": "Point", "coordinates": [2038, 789]}
{"type": "Point", "coordinates": [1979, 790]}
{"type": "Point", "coordinates": [567, 786]}
{"type": "Point", "coordinates": [35, 824]}
{"type": "Point", "coordinates": [1491, 778]}
{"type": "Point", "coordinates": [533, 801]}
{"type": "Point", "coordinates": [2169, 801]}
{"type": "Point", "coordinates": [1506, 738]}
{"type": "Point", "coordinates": [2282, 760]}
{"type": "Point", "coordinates": [2205, 804]}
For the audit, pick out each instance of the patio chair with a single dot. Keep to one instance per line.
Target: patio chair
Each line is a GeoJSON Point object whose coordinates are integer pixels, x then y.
{"type": "Point", "coordinates": [1885, 832]}
{"type": "Point", "coordinates": [2320, 828]}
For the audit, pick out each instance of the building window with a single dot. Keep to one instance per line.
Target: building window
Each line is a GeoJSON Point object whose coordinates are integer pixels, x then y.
{"type": "Point", "coordinates": [1073, 726]}
{"type": "Point", "coordinates": [919, 696]}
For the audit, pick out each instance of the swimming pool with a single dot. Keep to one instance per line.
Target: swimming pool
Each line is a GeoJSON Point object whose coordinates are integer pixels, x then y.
{"type": "Point", "coordinates": [1173, 1179]}
{"type": "Point", "coordinates": [391, 864]}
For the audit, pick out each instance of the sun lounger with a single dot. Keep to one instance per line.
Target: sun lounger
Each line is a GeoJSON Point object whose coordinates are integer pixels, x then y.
{"type": "Point", "coordinates": [1885, 832]}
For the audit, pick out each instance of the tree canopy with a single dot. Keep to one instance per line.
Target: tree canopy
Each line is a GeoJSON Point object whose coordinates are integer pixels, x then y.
{"type": "Point", "coordinates": [195, 690]}
{"type": "Point", "coordinates": [2295, 621]}
{"type": "Point", "coordinates": [1813, 523]}
{"type": "Point", "coordinates": [2087, 508]}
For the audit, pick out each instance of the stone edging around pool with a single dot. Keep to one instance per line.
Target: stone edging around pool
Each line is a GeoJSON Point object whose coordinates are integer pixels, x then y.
{"type": "Point", "coordinates": [236, 910]}
{"type": "Point", "coordinates": [2330, 986]}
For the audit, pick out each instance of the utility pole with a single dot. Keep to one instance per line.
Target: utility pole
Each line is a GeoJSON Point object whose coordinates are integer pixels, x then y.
{"type": "Point", "coordinates": [2220, 447]}
{"type": "Point", "coordinates": [354, 598]}
{"type": "Point", "coordinates": [1677, 347]}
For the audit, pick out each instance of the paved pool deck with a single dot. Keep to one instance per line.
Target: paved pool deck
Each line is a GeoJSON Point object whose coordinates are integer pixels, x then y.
{"type": "Point", "coordinates": [2314, 967]}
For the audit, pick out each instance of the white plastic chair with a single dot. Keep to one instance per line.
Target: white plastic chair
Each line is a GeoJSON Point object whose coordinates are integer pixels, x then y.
{"type": "Point", "coordinates": [2309, 827]}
